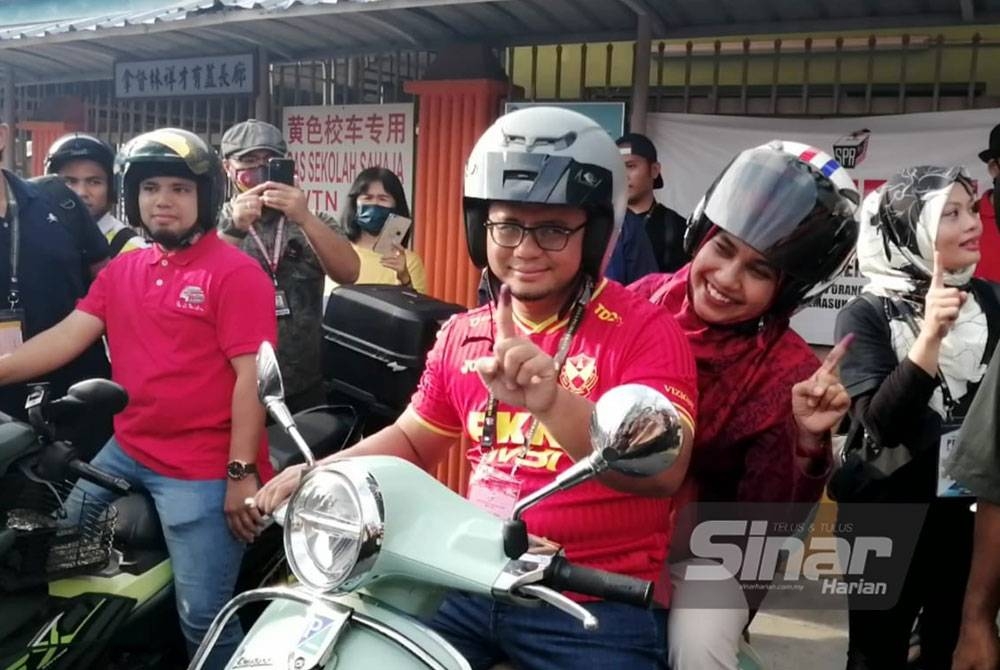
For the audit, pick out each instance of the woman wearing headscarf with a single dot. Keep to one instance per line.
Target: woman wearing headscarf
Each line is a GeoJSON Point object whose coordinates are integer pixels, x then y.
{"type": "Point", "coordinates": [773, 231]}
{"type": "Point", "coordinates": [924, 331]}
{"type": "Point", "coordinates": [376, 194]}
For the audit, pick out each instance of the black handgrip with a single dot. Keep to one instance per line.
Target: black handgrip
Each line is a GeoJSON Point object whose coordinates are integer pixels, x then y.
{"type": "Point", "coordinates": [99, 477]}
{"type": "Point", "coordinates": [564, 576]}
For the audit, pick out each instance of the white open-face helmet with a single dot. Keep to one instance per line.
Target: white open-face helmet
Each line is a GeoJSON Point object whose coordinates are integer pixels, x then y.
{"type": "Point", "coordinates": [548, 156]}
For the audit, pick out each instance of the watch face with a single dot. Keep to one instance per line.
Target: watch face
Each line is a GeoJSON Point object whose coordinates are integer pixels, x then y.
{"type": "Point", "coordinates": [236, 470]}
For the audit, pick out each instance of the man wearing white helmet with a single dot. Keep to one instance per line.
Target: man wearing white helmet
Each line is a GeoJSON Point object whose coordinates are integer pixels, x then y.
{"type": "Point", "coordinates": [544, 200]}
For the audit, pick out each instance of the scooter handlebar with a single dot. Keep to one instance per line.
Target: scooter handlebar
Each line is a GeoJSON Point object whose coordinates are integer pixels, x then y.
{"type": "Point", "coordinates": [104, 480]}
{"type": "Point", "coordinates": [564, 576]}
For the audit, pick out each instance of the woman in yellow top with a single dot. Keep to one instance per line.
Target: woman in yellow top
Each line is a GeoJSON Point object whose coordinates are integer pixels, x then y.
{"type": "Point", "coordinates": [375, 194]}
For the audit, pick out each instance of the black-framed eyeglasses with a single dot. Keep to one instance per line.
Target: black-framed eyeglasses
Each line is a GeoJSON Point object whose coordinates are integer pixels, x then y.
{"type": "Point", "coordinates": [550, 237]}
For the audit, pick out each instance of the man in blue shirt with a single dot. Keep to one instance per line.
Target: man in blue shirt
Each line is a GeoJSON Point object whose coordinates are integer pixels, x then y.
{"type": "Point", "coordinates": [663, 226]}
{"type": "Point", "coordinates": [633, 257]}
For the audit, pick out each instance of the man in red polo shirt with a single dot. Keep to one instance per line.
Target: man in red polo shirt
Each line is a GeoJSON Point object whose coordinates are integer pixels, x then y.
{"type": "Point", "coordinates": [184, 319]}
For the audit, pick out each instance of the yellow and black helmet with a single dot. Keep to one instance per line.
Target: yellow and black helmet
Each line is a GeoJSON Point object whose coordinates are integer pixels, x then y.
{"type": "Point", "coordinates": [171, 152]}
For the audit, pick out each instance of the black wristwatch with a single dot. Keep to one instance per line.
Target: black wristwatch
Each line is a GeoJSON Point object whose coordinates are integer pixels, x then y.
{"type": "Point", "coordinates": [238, 470]}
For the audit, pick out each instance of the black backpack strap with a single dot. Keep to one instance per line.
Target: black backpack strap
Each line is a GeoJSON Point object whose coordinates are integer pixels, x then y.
{"type": "Point", "coordinates": [60, 195]}
{"type": "Point", "coordinates": [120, 239]}
{"type": "Point", "coordinates": [988, 294]}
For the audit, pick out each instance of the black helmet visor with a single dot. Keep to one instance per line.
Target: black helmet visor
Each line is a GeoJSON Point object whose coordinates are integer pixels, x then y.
{"type": "Point", "coordinates": [782, 208]}
{"type": "Point", "coordinates": [545, 179]}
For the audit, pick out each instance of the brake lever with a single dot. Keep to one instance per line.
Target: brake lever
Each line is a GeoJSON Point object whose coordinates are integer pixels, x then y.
{"type": "Point", "coordinates": [275, 517]}
{"type": "Point", "coordinates": [559, 601]}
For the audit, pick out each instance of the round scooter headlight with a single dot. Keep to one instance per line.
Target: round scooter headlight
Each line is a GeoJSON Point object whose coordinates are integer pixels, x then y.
{"type": "Point", "coordinates": [333, 528]}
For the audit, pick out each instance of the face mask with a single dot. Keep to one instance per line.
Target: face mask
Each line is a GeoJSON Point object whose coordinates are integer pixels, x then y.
{"type": "Point", "coordinates": [247, 178]}
{"type": "Point", "coordinates": [371, 218]}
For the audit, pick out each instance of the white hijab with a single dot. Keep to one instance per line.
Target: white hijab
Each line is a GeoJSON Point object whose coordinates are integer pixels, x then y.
{"type": "Point", "coordinates": [916, 197]}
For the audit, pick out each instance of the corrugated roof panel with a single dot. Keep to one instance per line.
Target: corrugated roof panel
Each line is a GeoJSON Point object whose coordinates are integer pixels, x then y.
{"type": "Point", "coordinates": [337, 27]}
{"type": "Point", "coordinates": [174, 12]}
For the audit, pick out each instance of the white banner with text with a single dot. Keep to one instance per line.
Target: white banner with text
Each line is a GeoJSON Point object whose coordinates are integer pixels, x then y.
{"type": "Point", "coordinates": [694, 148]}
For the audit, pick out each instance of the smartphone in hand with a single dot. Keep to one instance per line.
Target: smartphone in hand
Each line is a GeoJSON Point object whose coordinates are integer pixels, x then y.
{"type": "Point", "coordinates": [281, 170]}
{"type": "Point", "coordinates": [393, 232]}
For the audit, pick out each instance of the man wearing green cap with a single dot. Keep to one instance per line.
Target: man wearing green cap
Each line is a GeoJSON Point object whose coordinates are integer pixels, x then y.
{"type": "Point", "coordinates": [297, 248]}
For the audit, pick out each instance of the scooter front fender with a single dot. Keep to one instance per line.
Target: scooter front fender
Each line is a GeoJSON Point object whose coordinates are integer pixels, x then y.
{"type": "Point", "coordinates": [299, 630]}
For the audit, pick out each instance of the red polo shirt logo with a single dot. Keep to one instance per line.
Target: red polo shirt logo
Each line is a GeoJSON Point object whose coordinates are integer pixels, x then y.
{"type": "Point", "coordinates": [193, 298]}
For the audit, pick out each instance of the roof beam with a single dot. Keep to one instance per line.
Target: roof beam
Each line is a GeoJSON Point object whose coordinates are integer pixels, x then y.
{"type": "Point", "coordinates": [968, 8]}
{"type": "Point", "coordinates": [644, 11]}
{"type": "Point", "coordinates": [251, 43]}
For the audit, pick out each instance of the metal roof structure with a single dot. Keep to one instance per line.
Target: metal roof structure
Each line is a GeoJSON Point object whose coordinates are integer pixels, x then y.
{"type": "Point", "coordinates": [87, 46]}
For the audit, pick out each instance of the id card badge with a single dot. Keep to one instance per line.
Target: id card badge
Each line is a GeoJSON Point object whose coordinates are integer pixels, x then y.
{"type": "Point", "coordinates": [494, 491]}
{"type": "Point", "coordinates": [11, 330]}
{"type": "Point", "coordinates": [946, 486]}
{"type": "Point", "coordinates": [281, 307]}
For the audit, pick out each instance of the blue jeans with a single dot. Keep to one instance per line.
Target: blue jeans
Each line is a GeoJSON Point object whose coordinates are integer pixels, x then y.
{"type": "Point", "coordinates": [487, 632]}
{"type": "Point", "coordinates": [204, 554]}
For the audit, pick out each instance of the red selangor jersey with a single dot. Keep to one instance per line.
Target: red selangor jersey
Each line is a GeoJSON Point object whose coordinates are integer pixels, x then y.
{"type": "Point", "coordinates": [622, 339]}
{"type": "Point", "coordinates": [173, 323]}
{"type": "Point", "coordinates": [989, 244]}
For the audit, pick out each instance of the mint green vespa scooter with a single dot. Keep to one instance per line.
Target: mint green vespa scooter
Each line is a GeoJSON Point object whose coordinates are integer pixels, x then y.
{"type": "Point", "coordinates": [375, 544]}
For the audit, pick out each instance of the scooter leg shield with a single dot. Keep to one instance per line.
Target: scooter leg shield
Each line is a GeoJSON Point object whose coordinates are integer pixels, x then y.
{"type": "Point", "coordinates": [373, 637]}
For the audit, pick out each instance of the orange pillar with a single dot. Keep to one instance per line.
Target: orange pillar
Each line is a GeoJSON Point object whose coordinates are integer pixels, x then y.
{"type": "Point", "coordinates": [452, 114]}
{"type": "Point", "coordinates": [43, 134]}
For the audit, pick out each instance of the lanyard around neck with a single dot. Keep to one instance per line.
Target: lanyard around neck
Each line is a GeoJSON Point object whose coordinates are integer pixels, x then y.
{"type": "Point", "coordinates": [272, 259]}
{"type": "Point", "coordinates": [13, 291]}
{"type": "Point", "coordinates": [489, 438]}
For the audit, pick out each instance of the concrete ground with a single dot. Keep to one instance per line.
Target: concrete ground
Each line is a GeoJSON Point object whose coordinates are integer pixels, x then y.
{"type": "Point", "coordinates": [790, 640]}
{"type": "Point", "coordinates": [793, 639]}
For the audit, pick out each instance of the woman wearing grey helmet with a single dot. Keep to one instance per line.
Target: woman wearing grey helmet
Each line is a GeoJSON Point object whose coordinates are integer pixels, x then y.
{"type": "Point", "coordinates": [544, 198]}
{"type": "Point", "coordinates": [924, 333]}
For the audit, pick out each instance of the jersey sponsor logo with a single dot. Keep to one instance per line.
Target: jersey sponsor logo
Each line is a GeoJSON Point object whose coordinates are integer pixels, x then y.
{"type": "Point", "coordinates": [579, 374]}
{"type": "Point", "coordinates": [674, 392]}
{"type": "Point", "coordinates": [533, 459]}
{"type": "Point", "coordinates": [511, 429]}
{"type": "Point", "coordinates": [192, 298]}
{"type": "Point", "coordinates": [468, 366]}
{"type": "Point", "coordinates": [605, 314]}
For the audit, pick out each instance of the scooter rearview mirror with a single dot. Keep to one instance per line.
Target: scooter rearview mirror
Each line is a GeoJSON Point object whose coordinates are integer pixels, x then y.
{"type": "Point", "coordinates": [271, 391]}
{"type": "Point", "coordinates": [99, 395]}
{"type": "Point", "coordinates": [270, 388]}
{"type": "Point", "coordinates": [633, 430]}
{"type": "Point", "coordinates": [636, 431]}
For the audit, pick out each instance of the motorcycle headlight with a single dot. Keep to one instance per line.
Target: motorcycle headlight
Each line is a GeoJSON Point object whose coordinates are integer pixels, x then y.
{"type": "Point", "coordinates": [334, 526]}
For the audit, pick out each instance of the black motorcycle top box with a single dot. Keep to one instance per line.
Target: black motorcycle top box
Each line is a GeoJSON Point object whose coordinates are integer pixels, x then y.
{"type": "Point", "coordinates": [376, 338]}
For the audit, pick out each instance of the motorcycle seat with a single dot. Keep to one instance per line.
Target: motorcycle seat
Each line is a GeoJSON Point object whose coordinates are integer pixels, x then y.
{"type": "Point", "coordinates": [326, 429]}
{"type": "Point", "coordinates": [138, 524]}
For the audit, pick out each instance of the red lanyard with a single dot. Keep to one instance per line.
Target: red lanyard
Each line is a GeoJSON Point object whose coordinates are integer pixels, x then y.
{"type": "Point", "coordinates": [271, 259]}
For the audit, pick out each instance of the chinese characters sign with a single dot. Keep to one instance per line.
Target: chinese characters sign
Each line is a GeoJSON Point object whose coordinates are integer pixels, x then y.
{"type": "Point", "coordinates": [207, 75]}
{"type": "Point", "coordinates": [331, 145]}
